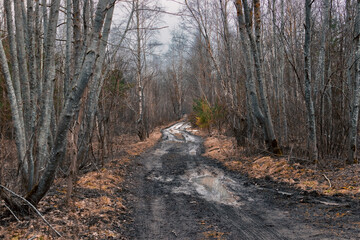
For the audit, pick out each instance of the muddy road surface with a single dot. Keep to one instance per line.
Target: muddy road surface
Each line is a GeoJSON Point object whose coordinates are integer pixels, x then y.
{"type": "Point", "coordinates": [175, 193]}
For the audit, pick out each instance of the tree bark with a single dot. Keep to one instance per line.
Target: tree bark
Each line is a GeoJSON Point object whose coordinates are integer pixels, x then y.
{"type": "Point", "coordinates": [255, 46]}
{"type": "Point", "coordinates": [312, 144]}
{"type": "Point", "coordinates": [281, 78]}
{"type": "Point", "coordinates": [48, 88]}
{"type": "Point", "coordinates": [96, 85]}
{"type": "Point", "coordinates": [69, 33]}
{"type": "Point", "coordinates": [250, 83]}
{"type": "Point", "coordinates": [16, 117]}
{"type": "Point", "coordinates": [14, 59]}
{"type": "Point", "coordinates": [139, 80]}
{"type": "Point", "coordinates": [57, 152]}
{"type": "Point", "coordinates": [356, 99]}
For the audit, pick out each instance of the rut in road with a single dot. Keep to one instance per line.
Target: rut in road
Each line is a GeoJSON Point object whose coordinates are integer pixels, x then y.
{"type": "Point", "coordinates": [178, 194]}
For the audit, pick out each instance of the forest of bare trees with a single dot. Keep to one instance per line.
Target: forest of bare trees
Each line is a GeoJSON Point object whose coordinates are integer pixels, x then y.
{"type": "Point", "coordinates": [280, 76]}
{"type": "Point", "coordinates": [285, 76]}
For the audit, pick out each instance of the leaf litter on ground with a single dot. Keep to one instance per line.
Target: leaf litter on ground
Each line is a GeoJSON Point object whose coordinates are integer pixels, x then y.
{"type": "Point", "coordinates": [96, 209]}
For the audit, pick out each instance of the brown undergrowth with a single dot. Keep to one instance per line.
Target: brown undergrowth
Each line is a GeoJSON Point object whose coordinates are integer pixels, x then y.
{"type": "Point", "coordinates": [282, 169]}
{"type": "Point", "coordinates": [96, 209]}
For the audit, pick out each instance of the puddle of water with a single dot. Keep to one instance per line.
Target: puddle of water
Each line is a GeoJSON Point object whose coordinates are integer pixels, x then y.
{"type": "Point", "coordinates": [210, 184]}
{"type": "Point", "coordinates": [213, 189]}
{"type": "Point", "coordinates": [177, 133]}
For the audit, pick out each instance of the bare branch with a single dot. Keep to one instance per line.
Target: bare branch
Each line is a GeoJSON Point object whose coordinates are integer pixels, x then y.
{"type": "Point", "coordinates": [32, 206]}
{"type": "Point", "coordinates": [17, 219]}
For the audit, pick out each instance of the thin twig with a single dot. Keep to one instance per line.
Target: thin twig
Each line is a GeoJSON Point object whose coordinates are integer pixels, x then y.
{"type": "Point", "coordinates": [327, 179]}
{"type": "Point", "coordinates": [33, 207]}
{"type": "Point", "coordinates": [17, 219]}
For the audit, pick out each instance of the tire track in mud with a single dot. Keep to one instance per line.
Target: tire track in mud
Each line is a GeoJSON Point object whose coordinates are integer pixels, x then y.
{"type": "Point", "coordinates": [175, 193]}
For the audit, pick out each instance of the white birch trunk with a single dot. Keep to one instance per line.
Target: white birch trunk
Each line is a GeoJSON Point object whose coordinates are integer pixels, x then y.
{"type": "Point", "coordinates": [139, 80]}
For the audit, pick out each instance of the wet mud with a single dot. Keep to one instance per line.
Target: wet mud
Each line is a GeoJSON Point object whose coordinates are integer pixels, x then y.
{"type": "Point", "coordinates": [175, 193]}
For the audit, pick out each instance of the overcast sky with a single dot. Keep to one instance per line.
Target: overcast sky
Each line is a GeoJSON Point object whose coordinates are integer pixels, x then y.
{"type": "Point", "coordinates": [171, 21]}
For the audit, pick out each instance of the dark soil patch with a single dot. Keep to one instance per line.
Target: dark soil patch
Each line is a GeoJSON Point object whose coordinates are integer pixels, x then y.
{"type": "Point", "coordinates": [165, 202]}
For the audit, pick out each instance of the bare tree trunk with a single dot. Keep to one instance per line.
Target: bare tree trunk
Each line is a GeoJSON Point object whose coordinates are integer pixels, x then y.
{"type": "Point", "coordinates": [320, 72]}
{"type": "Point", "coordinates": [96, 84]}
{"type": "Point", "coordinates": [38, 48]}
{"type": "Point", "coordinates": [230, 77]}
{"type": "Point", "coordinates": [21, 90]}
{"type": "Point", "coordinates": [20, 138]}
{"type": "Point", "coordinates": [77, 38]}
{"type": "Point", "coordinates": [356, 100]}
{"type": "Point", "coordinates": [275, 70]}
{"type": "Point", "coordinates": [350, 52]}
{"type": "Point", "coordinates": [48, 88]}
{"type": "Point", "coordinates": [281, 77]}
{"type": "Point", "coordinates": [139, 80]}
{"type": "Point", "coordinates": [250, 84]}
{"type": "Point", "coordinates": [23, 67]}
{"type": "Point", "coordinates": [312, 145]}
{"type": "Point", "coordinates": [57, 152]}
{"type": "Point", "coordinates": [43, 47]}
{"type": "Point", "coordinates": [14, 59]}
{"type": "Point", "coordinates": [33, 87]}
{"type": "Point", "coordinates": [69, 33]}
{"type": "Point", "coordinates": [255, 46]}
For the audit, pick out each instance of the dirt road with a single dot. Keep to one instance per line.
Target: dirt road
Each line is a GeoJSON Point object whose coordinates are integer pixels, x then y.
{"type": "Point", "coordinates": [175, 193]}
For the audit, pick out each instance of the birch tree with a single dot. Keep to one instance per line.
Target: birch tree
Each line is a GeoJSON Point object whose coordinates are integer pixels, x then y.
{"type": "Point", "coordinates": [255, 46]}
{"type": "Point", "coordinates": [250, 83]}
{"type": "Point", "coordinates": [139, 77]}
{"type": "Point", "coordinates": [22, 88]}
{"type": "Point", "coordinates": [312, 143]}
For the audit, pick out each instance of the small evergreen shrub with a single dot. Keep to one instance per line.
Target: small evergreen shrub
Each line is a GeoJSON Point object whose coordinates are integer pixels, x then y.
{"type": "Point", "coordinates": [206, 116]}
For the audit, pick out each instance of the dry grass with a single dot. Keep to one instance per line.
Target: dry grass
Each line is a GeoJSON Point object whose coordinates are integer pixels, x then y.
{"type": "Point", "coordinates": [96, 207]}
{"type": "Point", "coordinates": [342, 180]}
